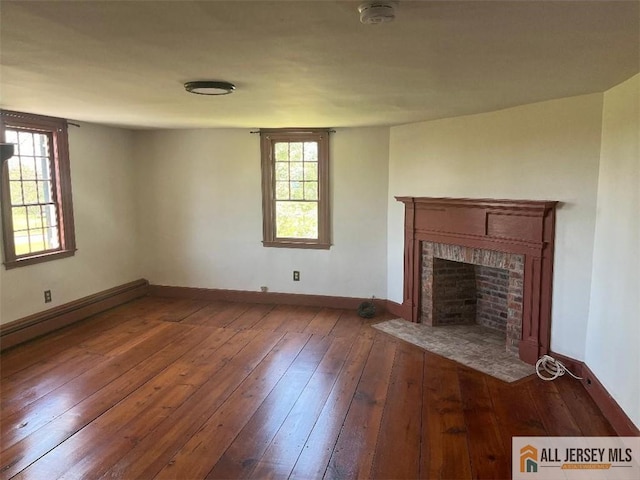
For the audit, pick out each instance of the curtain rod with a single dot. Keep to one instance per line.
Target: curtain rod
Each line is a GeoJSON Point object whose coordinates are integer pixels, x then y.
{"type": "Point", "coordinates": [6, 113]}
{"type": "Point", "coordinates": [293, 130]}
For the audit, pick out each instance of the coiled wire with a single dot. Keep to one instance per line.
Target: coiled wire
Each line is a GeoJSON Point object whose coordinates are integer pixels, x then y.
{"type": "Point", "coordinates": [553, 368]}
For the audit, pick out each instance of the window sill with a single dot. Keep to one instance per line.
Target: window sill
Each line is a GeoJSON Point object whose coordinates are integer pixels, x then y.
{"type": "Point", "coordinates": [34, 259]}
{"type": "Point", "coordinates": [294, 244]}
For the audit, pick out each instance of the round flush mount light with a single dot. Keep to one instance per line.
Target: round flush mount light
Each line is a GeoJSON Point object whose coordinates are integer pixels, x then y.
{"type": "Point", "coordinates": [376, 12]}
{"type": "Point", "coordinates": [207, 87]}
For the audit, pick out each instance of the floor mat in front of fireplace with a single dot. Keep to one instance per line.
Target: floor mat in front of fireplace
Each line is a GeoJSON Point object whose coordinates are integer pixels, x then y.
{"type": "Point", "coordinates": [475, 346]}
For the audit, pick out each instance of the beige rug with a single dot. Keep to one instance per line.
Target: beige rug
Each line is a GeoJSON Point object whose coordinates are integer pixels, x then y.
{"type": "Point", "coordinates": [475, 346]}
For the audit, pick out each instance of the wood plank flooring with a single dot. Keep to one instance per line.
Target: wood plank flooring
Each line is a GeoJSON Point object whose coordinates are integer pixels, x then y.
{"type": "Point", "coordinates": [184, 389]}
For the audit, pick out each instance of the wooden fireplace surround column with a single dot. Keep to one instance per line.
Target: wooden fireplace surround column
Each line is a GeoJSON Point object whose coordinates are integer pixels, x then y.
{"type": "Point", "coordinates": [514, 226]}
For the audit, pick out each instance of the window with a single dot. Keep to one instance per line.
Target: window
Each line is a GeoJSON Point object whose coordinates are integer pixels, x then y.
{"type": "Point", "coordinates": [295, 188]}
{"type": "Point", "coordinates": [37, 212]}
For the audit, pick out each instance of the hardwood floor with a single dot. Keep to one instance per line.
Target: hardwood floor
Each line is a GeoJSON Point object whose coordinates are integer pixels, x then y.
{"type": "Point", "coordinates": [169, 388]}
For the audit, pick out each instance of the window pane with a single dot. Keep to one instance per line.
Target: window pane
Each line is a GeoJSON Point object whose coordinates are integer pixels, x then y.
{"type": "Point", "coordinates": [15, 189]}
{"type": "Point", "coordinates": [295, 152]}
{"type": "Point", "coordinates": [282, 190]}
{"type": "Point", "coordinates": [19, 218]}
{"type": "Point", "coordinates": [14, 168]}
{"type": "Point", "coordinates": [296, 170]}
{"type": "Point", "coordinates": [51, 238]}
{"type": "Point", "coordinates": [50, 197]}
{"type": "Point", "coordinates": [297, 191]}
{"type": "Point", "coordinates": [310, 151]}
{"type": "Point", "coordinates": [37, 240]}
{"type": "Point", "coordinates": [310, 190]}
{"type": "Point", "coordinates": [34, 217]}
{"type": "Point", "coordinates": [282, 151]}
{"type": "Point", "coordinates": [25, 146]}
{"type": "Point", "coordinates": [30, 192]}
{"type": "Point", "coordinates": [282, 171]}
{"type": "Point", "coordinates": [21, 242]}
{"type": "Point", "coordinates": [297, 220]}
{"type": "Point", "coordinates": [43, 170]}
{"type": "Point", "coordinates": [41, 142]}
{"type": "Point", "coordinates": [44, 192]}
{"type": "Point", "coordinates": [28, 168]}
{"type": "Point", "coordinates": [311, 171]}
{"type": "Point", "coordinates": [11, 136]}
{"type": "Point", "coordinates": [49, 216]}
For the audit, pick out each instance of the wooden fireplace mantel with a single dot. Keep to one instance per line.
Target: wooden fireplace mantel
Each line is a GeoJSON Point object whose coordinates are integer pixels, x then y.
{"type": "Point", "coordinates": [525, 227]}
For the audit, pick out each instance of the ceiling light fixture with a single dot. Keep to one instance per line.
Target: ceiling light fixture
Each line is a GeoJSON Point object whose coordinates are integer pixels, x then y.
{"type": "Point", "coordinates": [207, 87]}
{"type": "Point", "coordinates": [376, 12]}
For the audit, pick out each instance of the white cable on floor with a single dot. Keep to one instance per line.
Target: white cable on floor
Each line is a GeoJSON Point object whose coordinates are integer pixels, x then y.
{"type": "Point", "coordinates": [553, 367]}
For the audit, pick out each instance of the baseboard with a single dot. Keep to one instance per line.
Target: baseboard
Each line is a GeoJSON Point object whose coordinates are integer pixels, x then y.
{"type": "Point", "coordinates": [214, 294]}
{"type": "Point", "coordinates": [395, 309]}
{"type": "Point", "coordinates": [28, 328]}
{"type": "Point", "coordinates": [576, 366]}
{"type": "Point", "coordinates": [607, 404]}
{"type": "Point", "coordinates": [618, 419]}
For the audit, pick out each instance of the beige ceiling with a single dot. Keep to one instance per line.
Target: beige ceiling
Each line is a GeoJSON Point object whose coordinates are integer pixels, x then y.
{"type": "Point", "coordinates": [306, 63]}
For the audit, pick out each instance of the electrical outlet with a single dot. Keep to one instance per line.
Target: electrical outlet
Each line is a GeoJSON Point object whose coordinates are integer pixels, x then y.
{"type": "Point", "coordinates": [296, 276]}
{"type": "Point", "coordinates": [47, 296]}
{"type": "Point", "coordinates": [264, 289]}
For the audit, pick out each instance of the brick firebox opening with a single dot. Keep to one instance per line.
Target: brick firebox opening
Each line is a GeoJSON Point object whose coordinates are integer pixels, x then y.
{"type": "Point", "coordinates": [462, 285]}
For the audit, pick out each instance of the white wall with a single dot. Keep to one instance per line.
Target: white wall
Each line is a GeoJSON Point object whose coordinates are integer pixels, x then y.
{"type": "Point", "coordinates": [105, 221]}
{"type": "Point", "coordinates": [543, 151]}
{"type": "Point", "coordinates": [614, 318]}
{"type": "Point", "coordinates": [201, 215]}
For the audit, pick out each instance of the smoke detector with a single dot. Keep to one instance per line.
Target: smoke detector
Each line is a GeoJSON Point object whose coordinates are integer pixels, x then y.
{"type": "Point", "coordinates": [377, 12]}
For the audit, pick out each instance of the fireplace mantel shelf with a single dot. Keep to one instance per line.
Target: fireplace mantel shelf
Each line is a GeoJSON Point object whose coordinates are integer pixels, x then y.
{"type": "Point", "coordinates": [482, 202]}
{"type": "Point", "coordinates": [505, 225]}
{"type": "Point", "coordinates": [524, 227]}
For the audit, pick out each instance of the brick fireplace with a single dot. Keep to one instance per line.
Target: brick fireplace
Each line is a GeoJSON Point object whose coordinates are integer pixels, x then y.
{"type": "Point", "coordinates": [485, 261]}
